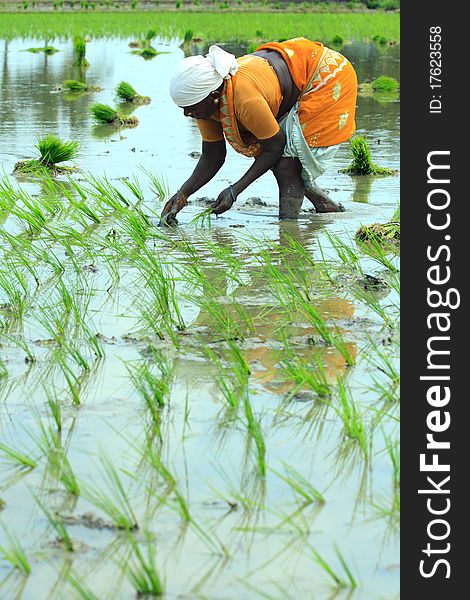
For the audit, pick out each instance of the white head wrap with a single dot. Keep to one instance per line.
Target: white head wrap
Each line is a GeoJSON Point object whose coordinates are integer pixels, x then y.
{"type": "Point", "coordinates": [197, 76]}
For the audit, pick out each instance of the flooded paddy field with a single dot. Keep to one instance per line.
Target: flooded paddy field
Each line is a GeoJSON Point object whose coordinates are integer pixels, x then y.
{"type": "Point", "coordinates": [209, 411]}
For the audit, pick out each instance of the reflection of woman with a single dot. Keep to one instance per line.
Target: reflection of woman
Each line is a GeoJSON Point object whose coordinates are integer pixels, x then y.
{"type": "Point", "coordinates": [288, 105]}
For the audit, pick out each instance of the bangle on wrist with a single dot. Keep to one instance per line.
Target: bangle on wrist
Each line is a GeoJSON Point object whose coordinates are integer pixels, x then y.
{"type": "Point", "coordinates": [232, 193]}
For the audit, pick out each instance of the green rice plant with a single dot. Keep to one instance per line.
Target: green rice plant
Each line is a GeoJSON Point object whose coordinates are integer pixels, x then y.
{"type": "Point", "coordinates": [52, 150]}
{"type": "Point", "coordinates": [3, 369]}
{"type": "Point", "coordinates": [203, 218]}
{"type": "Point", "coordinates": [142, 571]}
{"type": "Point", "coordinates": [125, 92]}
{"type": "Point", "coordinates": [188, 36]}
{"type": "Point", "coordinates": [57, 524]}
{"type": "Point", "coordinates": [370, 300]}
{"type": "Point", "coordinates": [393, 450]}
{"type": "Point", "coordinates": [232, 381]}
{"type": "Point", "coordinates": [79, 48]}
{"type": "Point", "coordinates": [385, 363]}
{"type": "Point", "coordinates": [180, 505]}
{"type": "Point", "coordinates": [80, 586]}
{"type": "Point", "coordinates": [14, 553]}
{"type": "Point", "coordinates": [353, 423]}
{"type": "Point", "coordinates": [153, 388]}
{"type": "Point", "coordinates": [115, 504]}
{"type": "Point", "coordinates": [339, 580]}
{"type": "Point", "coordinates": [294, 368]}
{"type": "Point", "coordinates": [17, 458]}
{"type": "Point", "coordinates": [158, 185]}
{"type": "Point", "coordinates": [299, 484]}
{"type": "Point", "coordinates": [256, 433]}
{"type": "Point", "coordinates": [103, 113]}
{"type": "Point", "coordinates": [362, 162]}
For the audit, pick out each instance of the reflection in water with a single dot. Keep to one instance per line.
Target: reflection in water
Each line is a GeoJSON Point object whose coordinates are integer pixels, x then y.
{"type": "Point", "coordinates": [274, 323]}
{"type": "Point", "coordinates": [362, 187]}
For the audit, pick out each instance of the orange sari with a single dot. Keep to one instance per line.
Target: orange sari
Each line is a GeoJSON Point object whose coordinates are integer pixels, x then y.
{"type": "Point", "coordinates": [327, 103]}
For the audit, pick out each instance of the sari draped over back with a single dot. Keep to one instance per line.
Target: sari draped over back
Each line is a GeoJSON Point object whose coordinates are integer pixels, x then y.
{"type": "Point", "coordinates": [326, 106]}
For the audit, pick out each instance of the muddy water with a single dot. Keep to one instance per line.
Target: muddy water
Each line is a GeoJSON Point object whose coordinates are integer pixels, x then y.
{"type": "Point", "coordinates": [209, 454]}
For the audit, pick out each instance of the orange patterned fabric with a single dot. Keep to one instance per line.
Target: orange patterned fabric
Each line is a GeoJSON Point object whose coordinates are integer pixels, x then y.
{"type": "Point", "coordinates": [327, 108]}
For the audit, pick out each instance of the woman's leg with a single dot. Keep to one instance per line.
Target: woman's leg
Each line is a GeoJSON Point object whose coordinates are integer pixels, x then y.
{"type": "Point", "coordinates": [291, 187]}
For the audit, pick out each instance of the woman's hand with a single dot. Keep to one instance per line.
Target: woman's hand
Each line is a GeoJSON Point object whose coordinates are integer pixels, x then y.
{"type": "Point", "coordinates": [224, 201]}
{"type": "Point", "coordinates": [172, 208]}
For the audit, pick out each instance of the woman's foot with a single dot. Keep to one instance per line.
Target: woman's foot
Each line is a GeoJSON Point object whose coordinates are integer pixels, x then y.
{"type": "Point", "coordinates": [322, 202]}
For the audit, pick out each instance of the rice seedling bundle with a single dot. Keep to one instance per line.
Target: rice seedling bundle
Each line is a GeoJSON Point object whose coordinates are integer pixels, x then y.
{"type": "Point", "coordinates": [52, 150]}
{"type": "Point", "coordinates": [125, 92]}
{"type": "Point", "coordinates": [385, 84]}
{"type": "Point", "coordinates": [106, 114]}
{"type": "Point", "coordinates": [75, 86]}
{"type": "Point", "coordinates": [362, 162]}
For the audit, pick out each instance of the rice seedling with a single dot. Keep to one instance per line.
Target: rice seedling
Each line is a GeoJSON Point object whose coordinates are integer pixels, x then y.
{"type": "Point", "coordinates": [103, 113]}
{"type": "Point", "coordinates": [202, 219]}
{"type": "Point", "coordinates": [294, 368]}
{"type": "Point", "coordinates": [385, 363]}
{"type": "Point", "coordinates": [255, 431]}
{"type": "Point", "coordinates": [79, 49]}
{"type": "Point", "coordinates": [299, 484]}
{"type": "Point", "coordinates": [142, 571]}
{"type": "Point", "coordinates": [362, 162]}
{"type": "Point", "coordinates": [14, 553]}
{"type": "Point", "coordinates": [158, 185]}
{"type": "Point", "coordinates": [153, 388]}
{"type": "Point", "coordinates": [80, 587]}
{"type": "Point", "coordinates": [115, 504]}
{"type": "Point", "coordinates": [353, 423]}
{"type": "Point", "coordinates": [125, 92]}
{"type": "Point", "coordinates": [52, 150]}
{"type": "Point", "coordinates": [393, 450]}
{"type": "Point", "coordinates": [232, 381]}
{"type": "Point", "coordinates": [17, 457]}
{"type": "Point", "coordinates": [373, 303]}
{"type": "Point", "coordinates": [57, 524]}
{"type": "Point", "coordinates": [339, 580]}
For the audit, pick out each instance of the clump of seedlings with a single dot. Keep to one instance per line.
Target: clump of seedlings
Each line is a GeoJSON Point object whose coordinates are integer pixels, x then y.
{"type": "Point", "coordinates": [145, 41]}
{"type": "Point", "coordinates": [383, 85]}
{"type": "Point", "coordinates": [382, 233]}
{"type": "Point", "coordinates": [72, 85]}
{"type": "Point", "coordinates": [126, 93]}
{"type": "Point", "coordinates": [79, 48]}
{"type": "Point", "coordinates": [144, 46]}
{"type": "Point", "coordinates": [52, 151]}
{"type": "Point", "coordinates": [105, 114]}
{"type": "Point", "coordinates": [362, 162]}
{"type": "Point", "coordinates": [45, 49]}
